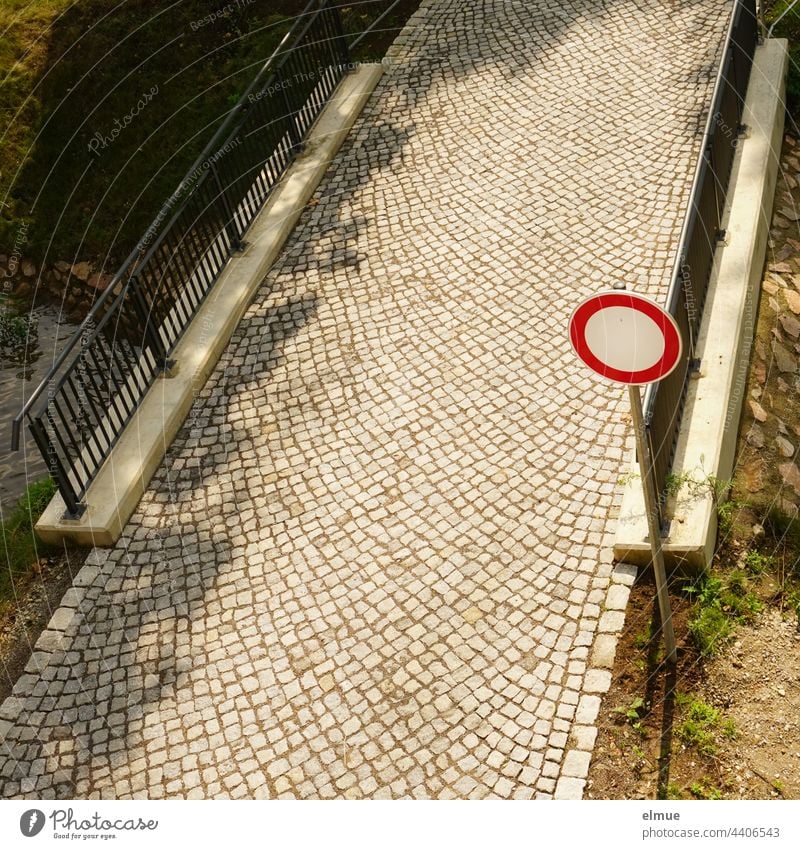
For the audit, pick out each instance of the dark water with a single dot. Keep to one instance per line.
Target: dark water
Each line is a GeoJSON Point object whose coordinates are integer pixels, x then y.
{"type": "Point", "coordinates": [29, 343]}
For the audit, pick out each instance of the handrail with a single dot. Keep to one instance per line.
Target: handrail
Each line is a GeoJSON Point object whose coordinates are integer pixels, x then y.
{"type": "Point", "coordinates": [98, 380]}
{"type": "Point", "coordinates": [210, 148]}
{"type": "Point", "coordinates": [702, 228]}
{"type": "Point", "coordinates": [676, 280]}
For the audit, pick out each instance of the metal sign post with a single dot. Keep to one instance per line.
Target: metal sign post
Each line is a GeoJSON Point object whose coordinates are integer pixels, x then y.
{"type": "Point", "coordinates": [653, 517]}
{"type": "Point", "coordinates": [627, 338]}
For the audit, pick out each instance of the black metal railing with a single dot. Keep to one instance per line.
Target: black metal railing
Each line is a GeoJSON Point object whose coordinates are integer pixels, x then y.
{"type": "Point", "coordinates": [80, 409]}
{"type": "Point", "coordinates": [702, 232]}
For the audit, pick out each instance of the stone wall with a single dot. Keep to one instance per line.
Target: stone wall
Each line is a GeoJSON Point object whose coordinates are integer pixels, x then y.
{"type": "Point", "coordinates": [75, 286]}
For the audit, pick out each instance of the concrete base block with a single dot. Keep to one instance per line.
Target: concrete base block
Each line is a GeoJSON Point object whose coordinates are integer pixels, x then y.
{"type": "Point", "coordinates": [118, 487]}
{"type": "Point", "coordinates": [707, 440]}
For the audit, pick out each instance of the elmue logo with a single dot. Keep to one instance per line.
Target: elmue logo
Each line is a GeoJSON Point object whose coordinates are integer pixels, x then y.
{"type": "Point", "coordinates": [31, 822]}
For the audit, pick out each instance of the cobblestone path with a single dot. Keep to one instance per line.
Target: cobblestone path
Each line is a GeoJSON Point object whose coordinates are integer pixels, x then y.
{"type": "Point", "coordinates": [376, 562]}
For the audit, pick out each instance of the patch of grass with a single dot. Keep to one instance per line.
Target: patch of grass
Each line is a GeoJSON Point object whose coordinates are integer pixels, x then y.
{"type": "Point", "coordinates": [728, 511]}
{"type": "Point", "coordinates": [20, 546]}
{"type": "Point", "coordinates": [643, 638]}
{"type": "Point", "coordinates": [628, 477]}
{"type": "Point", "coordinates": [757, 563]}
{"type": "Point", "coordinates": [16, 331]}
{"type": "Point", "coordinates": [709, 629]}
{"type": "Point", "coordinates": [635, 710]}
{"type": "Point", "coordinates": [13, 328]}
{"type": "Point", "coordinates": [703, 789]}
{"type": "Point", "coordinates": [673, 792]}
{"type": "Point", "coordinates": [720, 603]}
{"type": "Point", "coordinates": [720, 488]}
{"type": "Point", "coordinates": [674, 481]}
{"type": "Point", "coordinates": [633, 713]}
{"type": "Point", "coordinates": [736, 598]}
{"type": "Point", "coordinates": [702, 726]}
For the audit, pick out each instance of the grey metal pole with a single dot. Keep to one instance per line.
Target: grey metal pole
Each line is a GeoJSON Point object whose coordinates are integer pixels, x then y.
{"type": "Point", "coordinates": [650, 506]}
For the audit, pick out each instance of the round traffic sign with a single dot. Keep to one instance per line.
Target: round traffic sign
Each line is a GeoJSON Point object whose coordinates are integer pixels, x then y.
{"type": "Point", "coordinates": [625, 337]}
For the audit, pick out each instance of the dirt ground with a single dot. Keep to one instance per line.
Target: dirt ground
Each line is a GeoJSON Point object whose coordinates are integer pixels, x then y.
{"type": "Point", "coordinates": [757, 683]}
{"type": "Point", "coordinates": [38, 600]}
{"type": "Point", "coordinates": [754, 682]}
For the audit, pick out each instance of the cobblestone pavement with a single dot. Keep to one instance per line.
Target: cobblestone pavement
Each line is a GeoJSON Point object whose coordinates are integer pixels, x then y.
{"type": "Point", "coordinates": [376, 562]}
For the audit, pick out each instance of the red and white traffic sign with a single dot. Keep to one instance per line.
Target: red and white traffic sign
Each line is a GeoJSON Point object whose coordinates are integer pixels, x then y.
{"type": "Point", "coordinates": [625, 337]}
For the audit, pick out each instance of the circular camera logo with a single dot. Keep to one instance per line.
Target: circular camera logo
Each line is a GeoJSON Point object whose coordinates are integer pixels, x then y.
{"type": "Point", "coordinates": [31, 822]}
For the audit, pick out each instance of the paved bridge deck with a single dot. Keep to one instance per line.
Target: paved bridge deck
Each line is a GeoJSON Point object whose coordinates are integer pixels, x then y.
{"type": "Point", "coordinates": [376, 559]}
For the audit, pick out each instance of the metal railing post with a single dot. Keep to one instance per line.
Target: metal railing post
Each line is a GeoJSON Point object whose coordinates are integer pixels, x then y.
{"type": "Point", "coordinates": [719, 202]}
{"type": "Point", "coordinates": [56, 469]}
{"type": "Point", "coordinates": [663, 412]}
{"type": "Point", "coordinates": [294, 133]}
{"type": "Point", "coordinates": [150, 335]}
{"type": "Point", "coordinates": [230, 218]}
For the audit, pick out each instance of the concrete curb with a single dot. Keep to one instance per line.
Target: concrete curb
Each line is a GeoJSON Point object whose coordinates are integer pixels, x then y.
{"type": "Point", "coordinates": [582, 737]}
{"type": "Point", "coordinates": [118, 488]}
{"type": "Point", "coordinates": [706, 444]}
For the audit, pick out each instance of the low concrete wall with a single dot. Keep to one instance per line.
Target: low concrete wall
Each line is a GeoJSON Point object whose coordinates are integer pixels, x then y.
{"type": "Point", "coordinates": [707, 440]}
{"type": "Point", "coordinates": [120, 483]}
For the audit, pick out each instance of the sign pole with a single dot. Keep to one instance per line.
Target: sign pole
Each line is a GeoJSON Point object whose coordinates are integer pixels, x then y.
{"type": "Point", "coordinates": [627, 338]}
{"type": "Point", "coordinates": [650, 506]}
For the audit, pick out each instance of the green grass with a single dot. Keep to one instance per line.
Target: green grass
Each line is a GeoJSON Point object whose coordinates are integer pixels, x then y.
{"type": "Point", "coordinates": [709, 629]}
{"type": "Point", "coordinates": [14, 329]}
{"type": "Point", "coordinates": [703, 789]}
{"type": "Point", "coordinates": [720, 602]}
{"type": "Point", "coordinates": [702, 726]}
{"type": "Point", "coordinates": [673, 792]}
{"type": "Point", "coordinates": [20, 546]}
{"type": "Point", "coordinates": [757, 562]}
{"type": "Point", "coordinates": [71, 69]}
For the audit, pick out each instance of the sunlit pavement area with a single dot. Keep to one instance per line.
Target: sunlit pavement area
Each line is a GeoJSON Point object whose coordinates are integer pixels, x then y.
{"type": "Point", "coordinates": [377, 560]}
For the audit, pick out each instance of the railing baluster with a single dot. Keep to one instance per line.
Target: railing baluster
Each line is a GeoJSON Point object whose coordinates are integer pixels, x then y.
{"type": "Point", "coordinates": [230, 218]}
{"type": "Point", "coordinates": [149, 334]}
{"type": "Point", "coordinates": [56, 469]}
{"type": "Point", "coordinates": [291, 122]}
